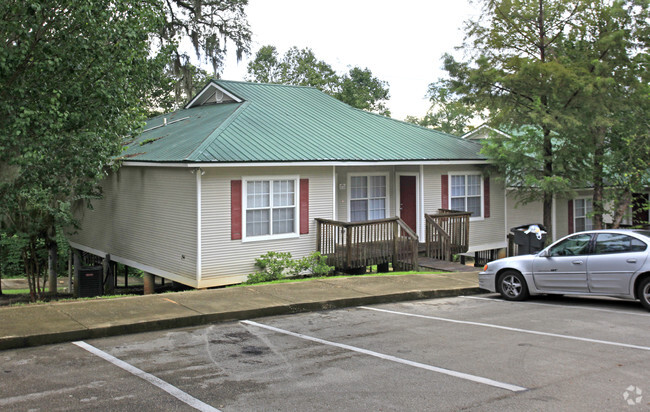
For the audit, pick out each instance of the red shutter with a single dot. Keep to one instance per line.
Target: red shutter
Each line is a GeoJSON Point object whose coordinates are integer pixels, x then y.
{"type": "Point", "coordinates": [304, 206]}
{"type": "Point", "coordinates": [486, 197]}
{"type": "Point", "coordinates": [570, 213]}
{"type": "Point", "coordinates": [235, 209]}
{"type": "Point", "coordinates": [445, 191]}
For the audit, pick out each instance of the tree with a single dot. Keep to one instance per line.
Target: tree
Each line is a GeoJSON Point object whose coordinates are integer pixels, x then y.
{"type": "Point", "coordinates": [209, 25]}
{"type": "Point", "coordinates": [73, 76]}
{"type": "Point", "coordinates": [448, 112]}
{"type": "Point", "coordinates": [360, 89]}
{"type": "Point", "coordinates": [357, 88]}
{"type": "Point", "coordinates": [524, 69]}
{"type": "Point", "coordinates": [610, 57]}
{"type": "Point", "coordinates": [171, 93]}
{"type": "Point", "coordinates": [297, 67]}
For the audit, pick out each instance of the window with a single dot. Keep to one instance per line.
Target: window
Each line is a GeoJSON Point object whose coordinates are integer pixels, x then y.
{"type": "Point", "coordinates": [618, 243]}
{"type": "Point", "coordinates": [367, 197]}
{"type": "Point", "coordinates": [575, 245]}
{"type": "Point", "coordinates": [465, 194]}
{"type": "Point", "coordinates": [270, 207]}
{"type": "Point", "coordinates": [581, 210]}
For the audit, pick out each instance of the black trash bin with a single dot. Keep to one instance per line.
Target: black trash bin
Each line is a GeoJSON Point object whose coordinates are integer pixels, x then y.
{"type": "Point", "coordinates": [531, 242]}
{"type": "Point", "coordinates": [91, 281]}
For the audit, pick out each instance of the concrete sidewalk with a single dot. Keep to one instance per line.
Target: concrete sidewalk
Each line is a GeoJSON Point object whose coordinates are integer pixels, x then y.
{"type": "Point", "coordinates": [33, 325]}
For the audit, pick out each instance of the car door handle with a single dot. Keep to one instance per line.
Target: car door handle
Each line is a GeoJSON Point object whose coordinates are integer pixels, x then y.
{"type": "Point", "coordinates": [577, 262]}
{"type": "Point", "coordinates": [631, 261]}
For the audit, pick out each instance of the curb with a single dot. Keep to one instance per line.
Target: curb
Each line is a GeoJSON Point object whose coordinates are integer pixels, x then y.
{"type": "Point", "coordinates": [15, 342]}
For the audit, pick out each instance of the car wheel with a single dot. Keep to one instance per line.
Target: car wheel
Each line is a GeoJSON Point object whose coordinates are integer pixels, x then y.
{"type": "Point", "coordinates": [512, 286]}
{"type": "Point", "coordinates": [644, 292]}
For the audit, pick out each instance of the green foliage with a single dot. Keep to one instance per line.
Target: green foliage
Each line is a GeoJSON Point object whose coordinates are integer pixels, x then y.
{"type": "Point", "coordinates": [210, 26]}
{"type": "Point", "coordinates": [173, 90]}
{"type": "Point", "coordinates": [314, 264]}
{"type": "Point", "coordinates": [277, 265]}
{"type": "Point", "coordinates": [448, 113]}
{"type": "Point", "coordinates": [358, 88]}
{"type": "Point", "coordinates": [11, 261]}
{"type": "Point", "coordinates": [73, 76]}
{"type": "Point", "coordinates": [563, 70]}
{"type": "Point", "coordinates": [272, 266]}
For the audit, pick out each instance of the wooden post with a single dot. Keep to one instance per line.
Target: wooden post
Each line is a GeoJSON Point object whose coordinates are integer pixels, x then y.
{"type": "Point", "coordinates": [77, 269]}
{"type": "Point", "coordinates": [348, 247]}
{"type": "Point", "coordinates": [395, 236]}
{"type": "Point", "coordinates": [149, 283]}
{"type": "Point", "coordinates": [318, 234]}
{"type": "Point", "coordinates": [414, 257]}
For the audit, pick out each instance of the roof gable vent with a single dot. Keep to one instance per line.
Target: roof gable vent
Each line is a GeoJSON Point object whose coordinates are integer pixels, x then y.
{"type": "Point", "coordinates": [212, 94]}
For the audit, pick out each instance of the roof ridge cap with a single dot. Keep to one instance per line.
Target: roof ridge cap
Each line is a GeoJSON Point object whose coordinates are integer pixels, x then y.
{"type": "Point", "coordinates": [267, 84]}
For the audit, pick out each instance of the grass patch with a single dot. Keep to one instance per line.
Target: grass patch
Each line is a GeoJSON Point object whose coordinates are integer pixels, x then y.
{"type": "Point", "coordinates": [25, 291]}
{"type": "Point", "coordinates": [306, 279]}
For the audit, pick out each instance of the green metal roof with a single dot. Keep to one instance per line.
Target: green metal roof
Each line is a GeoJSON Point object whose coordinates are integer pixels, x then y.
{"type": "Point", "coordinates": [280, 123]}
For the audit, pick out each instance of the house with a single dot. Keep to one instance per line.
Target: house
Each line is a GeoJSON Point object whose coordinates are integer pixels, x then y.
{"type": "Point", "coordinates": [248, 168]}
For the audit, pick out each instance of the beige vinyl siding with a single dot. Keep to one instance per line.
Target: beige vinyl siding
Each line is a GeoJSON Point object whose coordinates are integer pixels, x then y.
{"type": "Point", "coordinates": [522, 214]}
{"type": "Point", "coordinates": [147, 216]}
{"type": "Point", "coordinates": [485, 233]}
{"type": "Point", "coordinates": [226, 261]}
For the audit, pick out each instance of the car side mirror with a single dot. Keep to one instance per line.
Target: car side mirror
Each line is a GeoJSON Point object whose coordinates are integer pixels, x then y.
{"type": "Point", "coordinates": [544, 253]}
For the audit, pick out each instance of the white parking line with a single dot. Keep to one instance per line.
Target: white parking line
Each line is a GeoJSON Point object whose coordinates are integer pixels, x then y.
{"type": "Point", "coordinates": [449, 372]}
{"type": "Point", "coordinates": [620, 312]}
{"type": "Point", "coordinates": [170, 389]}
{"type": "Point", "coordinates": [489, 325]}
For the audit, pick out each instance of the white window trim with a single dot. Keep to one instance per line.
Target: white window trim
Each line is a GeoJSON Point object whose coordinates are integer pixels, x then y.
{"type": "Point", "coordinates": [417, 198]}
{"type": "Point", "coordinates": [368, 174]}
{"type": "Point", "coordinates": [244, 194]}
{"type": "Point", "coordinates": [575, 215]}
{"type": "Point", "coordinates": [482, 185]}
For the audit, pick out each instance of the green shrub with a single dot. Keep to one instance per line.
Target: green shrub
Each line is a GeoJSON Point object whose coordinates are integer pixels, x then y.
{"type": "Point", "coordinates": [315, 264]}
{"type": "Point", "coordinates": [272, 266]}
{"type": "Point", "coordinates": [277, 265]}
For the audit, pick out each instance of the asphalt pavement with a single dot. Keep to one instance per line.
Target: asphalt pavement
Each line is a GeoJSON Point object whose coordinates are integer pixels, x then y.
{"type": "Point", "coordinates": [42, 324]}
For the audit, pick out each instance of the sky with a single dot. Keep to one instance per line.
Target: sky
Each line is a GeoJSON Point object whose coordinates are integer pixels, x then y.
{"type": "Point", "coordinates": [400, 42]}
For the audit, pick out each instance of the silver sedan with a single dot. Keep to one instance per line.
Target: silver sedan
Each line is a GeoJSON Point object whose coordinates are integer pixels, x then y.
{"type": "Point", "coordinates": [597, 262]}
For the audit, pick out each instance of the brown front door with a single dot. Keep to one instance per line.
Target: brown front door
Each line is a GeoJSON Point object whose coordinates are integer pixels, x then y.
{"type": "Point", "coordinates": [408, 206]}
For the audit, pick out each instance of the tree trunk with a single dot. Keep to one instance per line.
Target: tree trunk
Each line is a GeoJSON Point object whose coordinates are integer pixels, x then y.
{"type": "Point", "coordinates": [548, 215]}
{"type": "Point", "coordinates": [548, 173]}
{"type": "Point", "coordinates": [52, 264]}
{"type": "Point", "coordinates": [622, 206]}
{"type": "Point", "coordinates": [598, 179]}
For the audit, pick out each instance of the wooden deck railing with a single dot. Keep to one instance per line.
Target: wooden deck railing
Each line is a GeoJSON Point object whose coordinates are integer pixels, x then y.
{"type": "Point", "coordinates": [351, 245]}
{"type": "Point", "coordinates": [447, 234]}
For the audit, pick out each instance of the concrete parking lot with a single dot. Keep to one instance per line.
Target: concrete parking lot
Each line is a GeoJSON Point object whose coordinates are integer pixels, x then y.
{"type": "Point", "coordinates": [464, 353]}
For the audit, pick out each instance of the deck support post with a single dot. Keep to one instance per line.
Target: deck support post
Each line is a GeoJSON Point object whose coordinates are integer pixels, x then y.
{"type": "Point", "coordinates": [149, 283]}
{"type": "Point", "coordinates": [107, 276]}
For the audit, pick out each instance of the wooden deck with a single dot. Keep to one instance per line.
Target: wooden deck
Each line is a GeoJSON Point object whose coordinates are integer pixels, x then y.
{"type": "Point", "coordinates": [353, 245]}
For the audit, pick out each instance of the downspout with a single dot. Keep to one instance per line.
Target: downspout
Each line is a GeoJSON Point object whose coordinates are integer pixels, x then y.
{"type": "Point", "coordinates": [505, 213]}
{"type": "Point", "coordinates": [421, 202]}
{"type": "Point", "coordinates": [333, 192]}
{"type": "Point", "coordinates": [199, 173]}
{"type": "Point", "coordinates": [554, 219]}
